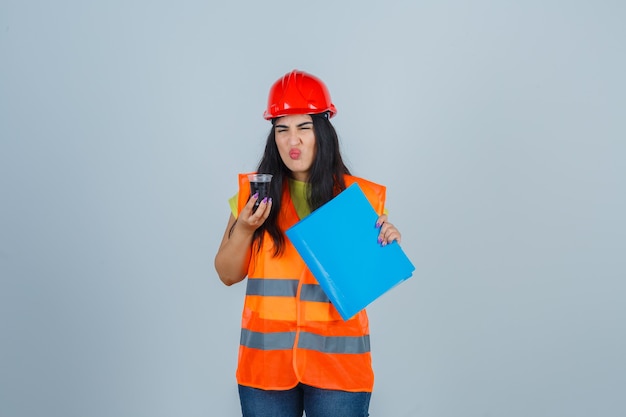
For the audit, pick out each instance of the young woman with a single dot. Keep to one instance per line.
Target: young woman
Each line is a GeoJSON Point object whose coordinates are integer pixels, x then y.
{"type": "Point", "coordinates": [296, 353]}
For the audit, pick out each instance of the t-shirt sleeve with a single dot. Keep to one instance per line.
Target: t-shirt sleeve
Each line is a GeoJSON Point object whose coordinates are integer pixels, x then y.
{"type": "Point", "coordinates": [232, 202]}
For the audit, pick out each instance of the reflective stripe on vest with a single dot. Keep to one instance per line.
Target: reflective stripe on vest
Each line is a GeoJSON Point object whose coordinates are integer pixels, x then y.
{"type": "Point", "coordinates": [313, 292]}
{"type": "Point", "coordinates": [334, 344]}
{"type": "Point", "coordinates": [285, 288]}
{"type": "Point", "coordinates": [267, 341]}
{"type": "Point", "coordinates": [272, 287]}
{"type": "Point", "coordinates": [285, 341]}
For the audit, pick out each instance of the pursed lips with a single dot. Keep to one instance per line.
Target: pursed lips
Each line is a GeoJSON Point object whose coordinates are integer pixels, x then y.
{"type": "Point", "coordinates": [294, 153]}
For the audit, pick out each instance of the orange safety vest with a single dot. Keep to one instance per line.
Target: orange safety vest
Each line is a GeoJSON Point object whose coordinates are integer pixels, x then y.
{"type": "Point", "coordinates": [290, 331]}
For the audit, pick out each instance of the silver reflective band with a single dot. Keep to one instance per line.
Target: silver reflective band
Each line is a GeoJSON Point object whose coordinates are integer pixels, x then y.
{"type": "Point", "coordinates": [311, 341]}
{"type": "Point", "coordinates": [285, 288]}
{"type": "Point", "coordinates": [267, 341]}
{"type": "Point", "coordinates": [313, 292]}
{"type": "Point", "coordinates": [272, 287]}
{"type": "Point", "coordinates": [334, 344]}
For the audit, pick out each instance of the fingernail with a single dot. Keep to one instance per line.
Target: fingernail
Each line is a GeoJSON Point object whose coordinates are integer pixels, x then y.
{"type": "Point", "coordinates": [380, 240]}
{"type": "Point", "coordinates": [256, 195]}
{"type": "Point", "coordinates": [377, 225]}
{"type": "Point", "coordinates": [264, 200]}
{"type": "Point", "coordinates": [270, 200]}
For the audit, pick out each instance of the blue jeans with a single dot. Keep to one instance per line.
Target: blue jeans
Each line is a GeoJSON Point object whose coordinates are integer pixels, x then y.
{"type": "Point", "coordinates": [316, 402]}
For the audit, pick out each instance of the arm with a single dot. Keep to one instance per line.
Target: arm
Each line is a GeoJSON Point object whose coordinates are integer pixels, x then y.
{"type": "Point", "coordinates": [233, 255]}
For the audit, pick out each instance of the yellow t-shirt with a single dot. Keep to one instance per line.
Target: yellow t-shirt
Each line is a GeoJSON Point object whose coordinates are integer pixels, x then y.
{"type": "Point", "coordinates": [298, 191]}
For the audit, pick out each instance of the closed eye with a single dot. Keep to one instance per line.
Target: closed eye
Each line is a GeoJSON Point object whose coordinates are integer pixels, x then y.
{"type": "Point", "coordinates": [301, 126]}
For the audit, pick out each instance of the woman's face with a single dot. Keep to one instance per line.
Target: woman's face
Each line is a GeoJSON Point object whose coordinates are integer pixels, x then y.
{"type": "Point", "coordinates": [295, 139]}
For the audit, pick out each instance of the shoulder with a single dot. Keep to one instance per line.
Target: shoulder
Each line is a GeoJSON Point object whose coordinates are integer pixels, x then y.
{"type": "Point", "coordinates": [351, 179]}
{"type": "Point", "coordinates": [375, 193]}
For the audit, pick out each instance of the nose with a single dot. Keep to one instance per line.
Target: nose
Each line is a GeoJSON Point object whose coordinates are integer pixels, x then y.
{"type": "Point", "coordinates": [294, 137]}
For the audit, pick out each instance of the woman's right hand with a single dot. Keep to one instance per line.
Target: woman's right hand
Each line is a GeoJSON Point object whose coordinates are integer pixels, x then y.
{"type": "Point", "coordinates": [253, 220]}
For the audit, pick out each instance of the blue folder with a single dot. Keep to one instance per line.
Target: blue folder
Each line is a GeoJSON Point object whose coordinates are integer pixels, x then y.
{"type": "Point", "coordinates": [339, 244]}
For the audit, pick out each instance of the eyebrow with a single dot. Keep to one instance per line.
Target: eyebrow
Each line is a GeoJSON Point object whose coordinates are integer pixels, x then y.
{"type": "Point", "coordinates": [299, 125]}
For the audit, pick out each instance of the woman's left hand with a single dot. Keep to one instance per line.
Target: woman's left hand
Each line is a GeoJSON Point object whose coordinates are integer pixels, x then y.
{"type": "Point", "coordinates": [388, 232]}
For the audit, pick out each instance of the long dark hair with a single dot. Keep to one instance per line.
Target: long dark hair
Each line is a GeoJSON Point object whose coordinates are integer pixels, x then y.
{"type": "Point", "coordinates": [325, 177]}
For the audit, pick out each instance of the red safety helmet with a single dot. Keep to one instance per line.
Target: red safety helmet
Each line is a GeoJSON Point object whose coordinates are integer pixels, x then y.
{"type": "Point", "coordinates": [298, 93]}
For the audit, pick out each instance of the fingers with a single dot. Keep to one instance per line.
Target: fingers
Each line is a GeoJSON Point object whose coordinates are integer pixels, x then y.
{"type": "Point", "coordinates": [388, 232]}
{"type": "Point", "coordinates": [264, 208]}
{"type": "Point", "coordinates": [254, 218]}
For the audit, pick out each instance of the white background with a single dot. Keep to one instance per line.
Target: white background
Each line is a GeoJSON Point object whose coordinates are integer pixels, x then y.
{"type": "Point", "coordinates": [498, 127]}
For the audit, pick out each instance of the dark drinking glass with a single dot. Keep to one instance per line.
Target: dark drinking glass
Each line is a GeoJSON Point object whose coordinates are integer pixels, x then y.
{"type": "Point", "coordinates": [259, 183]}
